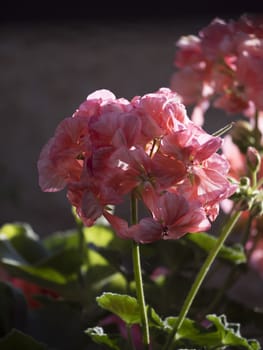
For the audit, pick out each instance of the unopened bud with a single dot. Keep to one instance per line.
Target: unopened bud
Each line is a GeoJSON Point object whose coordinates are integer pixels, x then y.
{"type": "Point", "coordinates": [244, 182]}
{"type": "Point", "coordinates": [257, 205]}
{"type": "Point", "coordinates": [242, 135]}
{"type": "Point", "coordinates": [243, 204]}
{"type": "Point", "coordinates": [256, 209]}
{"type": "Point", "coordinates": [253, 159]}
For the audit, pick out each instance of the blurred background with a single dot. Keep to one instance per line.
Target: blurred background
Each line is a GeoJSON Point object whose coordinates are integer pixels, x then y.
{"type": "Point", "coordinates": [52, 57]}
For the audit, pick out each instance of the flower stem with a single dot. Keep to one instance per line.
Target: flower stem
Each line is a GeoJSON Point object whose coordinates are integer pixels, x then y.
{"type": "Point", "coordinates": [200, 277]}
{"type": "Point", "coordinates": [257, 133]}
{"type": "Point", "coordinates": [138, 276]}
{"type": "Point", "coordinates": [82, 247]}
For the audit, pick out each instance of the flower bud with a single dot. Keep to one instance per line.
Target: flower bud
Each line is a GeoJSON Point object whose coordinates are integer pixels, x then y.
{"type": "Point", "coordinates": [242, 135]}
{"type": "Point", "coordinates": [253, 159]}
{"type": "Point", "coordinates": [244, 182]}
{"type": "Point", "coordinates": [257, 205]}
{"type": "Point", "coordinates": [243, 204]}
{"type": "Point", "coordinates": [256, 209]}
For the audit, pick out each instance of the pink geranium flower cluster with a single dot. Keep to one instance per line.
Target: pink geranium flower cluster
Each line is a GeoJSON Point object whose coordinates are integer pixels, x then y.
{"type": "Point", "coordinates": [149, 147]}
{"type": "Point", "coordinates": [223, 64]}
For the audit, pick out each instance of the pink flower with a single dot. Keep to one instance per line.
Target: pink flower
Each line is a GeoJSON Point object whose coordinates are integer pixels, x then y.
{"type": "Point", "coordinates": [172, 217]}
{"type": "Point", "coordinates": [116, 128]}
{"type": "Point", "coordinates": [112, 147]}
{"type": "Point", "coordinates": [160, 272]}
{"type": "Point", "coordinates": [190, 145]}
{"type": "Point", "coordinates": [92, 194]}
{"type": "Point", "coordinates": [190, 84]}
{"type": "Point", "coordinates": [256, 257]}
{"type": "Point", "coordinates": [222, 65]}
{"type": "Point", "coordinates": [249, 70]}
{"type": "Point", "coordinates": [250, 24]}
{"type": "Point", "coordinates": [209, 184]}
{"type": "Point", "coordinates": [90, 202]}
{"type": "Point", "coordinates": [236, 159]}
{"type": "Point", "coordinates": [217, 39]}
{"type": "Point", "coordinates": [135, 168]}
{"type": "Point", "coordinates": [207, 171]}
{"type": "Point", "coordinates": [61, 159]}
{"type": "Point", "coordinates": [100, 102]}
{"type": "Point", "coordinates": [160, 112]}
{"type": "Point", "coordinates": [190, 51]}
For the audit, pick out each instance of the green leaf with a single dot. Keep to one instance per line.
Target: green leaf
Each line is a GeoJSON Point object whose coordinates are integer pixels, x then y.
{"type": "Point", "coordinates": [8, 252]}
{"type": "Point", "coordinates": [44, 276]}
{"type": "Point", "coordinates": [220, 333]}
{"type": "Point", "coordinates": [64, 247]}
{"type": "Point", "coordinates": [61, 240]}
{"type": "Point", "coordinates": [127, 308]}
{"type": "Point", "coordinates": [190, 331]}
{"type": "Point", "coordinates": [230, 333]}
{"type": "Point", "coordinates": [99, 235]}
{"type": "Point", "coordinates": [24, 240]}
{"type": "Point", "coordinates": [98, 336]}
{"type": "Point", "coordinates": [124, 306]}
{"type": "Point", "coordinates": [65, 261]}
{"type": "Point", "coordinates": [206, 242]}
{"type": "Point", "coordinates": [18, 340]}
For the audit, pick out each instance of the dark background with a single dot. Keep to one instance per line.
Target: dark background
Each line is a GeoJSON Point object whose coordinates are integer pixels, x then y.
{"type": "Point", "coordinates": [123, 10]}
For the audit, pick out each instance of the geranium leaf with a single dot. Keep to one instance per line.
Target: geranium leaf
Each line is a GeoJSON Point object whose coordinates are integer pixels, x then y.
{"type": "Point", "coordinates": [218, 334]}
{"type": "Point", "coordinates": [124, 306]}
{"type": "Point", "coordinates": [99, 235]}
{"type": "Point", "coordinates": [206, 242]}
{"type": "Point", "coordinates": [127, 308]}
{"type": "Point", "coordinates": [24, 240]}
{"type": "Point", "coordinates": [16, 339]}
{"type": "Point", "coordinates": [44, 276]}
{"type": "Point", "coordinates": [98, 336]}
{"type": "Point", "coordinates": [230, 333]}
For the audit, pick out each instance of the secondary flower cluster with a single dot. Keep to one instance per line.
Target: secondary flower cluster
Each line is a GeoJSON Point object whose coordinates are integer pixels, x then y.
{"type": "Point", "coordinates": [223, 64]}
{"type": "Point", "coordinates": [149, 147]}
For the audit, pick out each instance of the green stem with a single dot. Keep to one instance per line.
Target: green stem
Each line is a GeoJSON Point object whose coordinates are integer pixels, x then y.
{"type": "Point", "coordinates": [82, 242]}
{"type": "Point", "coordinates": [259, 183]}
{"type": "Point", "coordinates": [232, 275]}
{"type": "Point", "coordinates": [138, 276]}
{"type": "Point", "coordinates": [200, 277]}
{"type": "Point", "coordinates": [81, 245]}
{"type": "Point", "coordinates": [257, 133]}
{"type": "Point", "coordinates": [247, 231]}
{"type": "Point", "coordinates": [223, 130]}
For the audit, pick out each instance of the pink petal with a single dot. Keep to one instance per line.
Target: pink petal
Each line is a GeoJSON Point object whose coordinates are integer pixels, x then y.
{"type": "Point", "coordinates": [103, 94]}
{"type": "Point", "coordinates": [148, 230]}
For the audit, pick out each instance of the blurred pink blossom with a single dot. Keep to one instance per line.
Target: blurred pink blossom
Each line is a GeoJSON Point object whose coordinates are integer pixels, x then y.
{"type": "Point", "coordinates": [222, 66]}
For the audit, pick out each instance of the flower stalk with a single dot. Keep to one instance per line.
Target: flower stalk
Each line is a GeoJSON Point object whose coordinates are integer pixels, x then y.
{"type": "Point", "coordinates": [201, 276]}
{"type": "Point", "coordinates": [138, 276]}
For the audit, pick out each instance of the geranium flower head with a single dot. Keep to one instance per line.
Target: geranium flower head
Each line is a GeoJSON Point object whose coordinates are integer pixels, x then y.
{"type": "Point", "coordinates": [149, 147]}
{"type": "Point", "coordinates": [222, 65]}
